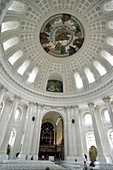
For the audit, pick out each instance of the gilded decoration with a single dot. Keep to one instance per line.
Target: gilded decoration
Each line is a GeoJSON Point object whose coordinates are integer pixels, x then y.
{"type": "Point", "coordinates": [62, 36]}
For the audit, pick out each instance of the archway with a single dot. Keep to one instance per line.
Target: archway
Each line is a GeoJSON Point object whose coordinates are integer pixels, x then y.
{"type": "Point", "coordinates": [52, 137]}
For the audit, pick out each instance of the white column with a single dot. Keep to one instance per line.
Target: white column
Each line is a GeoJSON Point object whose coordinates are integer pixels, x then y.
{"type": "Point", "coordinates": [73, 130]}
{"type": "Point", "coordinates": [78, 134]}
{"type": "Point", "coordinates": [104, 139]}
{"type": "Point", "coordinates": [69, 128]}
{"type": "Point", "coordinates": [25, 145]}
{"type": "Point", "coordinates": [109, 108]}
{"type": "Point", "coordinates": [36, 132]}
{"type": "Point", "coordinates": [4, 144]}
{"type": "Point", "coordinates": [65, 135]}
{"type": "Point", "coordinates": [3, 91]}
{"type": "Point", "coordinates": [100, 156]}
{"type": "Point", "coordinates": [4, 117]}
{"type": "Point", "coordinates": [17, 143]}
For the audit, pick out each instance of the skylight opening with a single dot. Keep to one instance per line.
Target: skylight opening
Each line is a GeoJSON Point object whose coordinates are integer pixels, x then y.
{"type": "Point", "coordinates": [17, 6]}
{"type": "Point", "coordinates": [23, 67]}
{"type": "Point", "coordinates": [110, 24]}
{"type": "Point", "coordinates": [11, 42]}
{"type": "Point", "coordinates": [6, 26]}
{"type": "Point", "coordinates": [78, 81]}
{"type": "Point", "coordinates": [100, 68]}
{"type": "Point", "coordinates": [15, 57]}
{"type": "Point", "coordinates": [32, 75]}
{"type": "Point", "coordinates": [108, 6]}
{"type": "Point", "coordinates": [110, 41]}
{"type": "Point", "coordinates": [89, 75]}
{"type": "Point", "coordinates": [108, 57]}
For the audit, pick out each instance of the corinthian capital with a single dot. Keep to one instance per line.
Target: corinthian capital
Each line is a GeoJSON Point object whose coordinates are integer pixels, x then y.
{"type": "Point", "coordinates": [106, 99]}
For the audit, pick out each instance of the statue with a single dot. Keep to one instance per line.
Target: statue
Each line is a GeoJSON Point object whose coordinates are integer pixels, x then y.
{"type": "Point", "coordinates": [93, 153]}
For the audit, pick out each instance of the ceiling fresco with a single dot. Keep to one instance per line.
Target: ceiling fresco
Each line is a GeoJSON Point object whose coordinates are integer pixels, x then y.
{"type": "Point", "coordinates": [62, 35]}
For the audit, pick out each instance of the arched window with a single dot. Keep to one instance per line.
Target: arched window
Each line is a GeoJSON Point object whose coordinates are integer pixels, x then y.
{"type": "Point", "coordinates": [88, 119]}
{"type": "Point", "coordinates": [100, 68]}
{"type": "Point", "coordinates": [110, 24]}
{"type": "Point", "coordinates": [1, 108]}
{"type": "Point", "coordinates": [23, 67]}
{"type": "Point", "coordinates": [111, 136]}
{"type": "Point", "coordinates": [15, 57]}
{"type": "Point", "coordinates": [108, 6]}
{"type": "Point", "coordinates": [17, 114]}
{"type": "Point", "coordinates": [32, 75]}
{"type": "Point", "coordinates": [110, 41]}
{"type": "Point", "coordinates": [89, 75]}
{"type": "Point", "coordinates": [6, 26]}
{"type": "Point", "coordinates": [78, 80]}
{"type": "Point", "coordinates": [12, 137]}
{"type": "Point", "coordinates": [17, 6]}
{"type": "Point", "coordinates": [11, 42]}
{"type": "Point", "coordinates": [107, 56]}
{"type": "Point", "coordinates": [90, 140]}
{"type": "Point", "coordinates": [106, 116]}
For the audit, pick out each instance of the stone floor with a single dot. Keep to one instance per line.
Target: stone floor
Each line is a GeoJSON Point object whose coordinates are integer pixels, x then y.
{"type": "Point", "coordinates": [41, 165]}
{"type": "Point", "coordinates": [79, 165]}
{"type": "Point", "coordinates": [29, 165]}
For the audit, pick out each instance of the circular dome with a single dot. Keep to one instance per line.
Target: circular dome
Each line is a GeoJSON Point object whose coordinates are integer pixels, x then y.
{"type": "Point", "coordinates": [62, 35]}
{"type": "Point", "coordinates": [36, 38]}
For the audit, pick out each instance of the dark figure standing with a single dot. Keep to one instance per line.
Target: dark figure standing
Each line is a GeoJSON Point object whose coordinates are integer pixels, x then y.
{"type": "Point", "coordinates": [85, 166]}
{"type": "Point", "coordinates": [92, 164]}
{"type": "Point", "coordinates": [85, 157]}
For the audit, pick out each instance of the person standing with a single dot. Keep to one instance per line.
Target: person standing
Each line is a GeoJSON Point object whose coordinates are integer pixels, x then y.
{"type": "Point", "coordinates": [85, 166]}
{"type": "Point", "coordinates": [85, 157]}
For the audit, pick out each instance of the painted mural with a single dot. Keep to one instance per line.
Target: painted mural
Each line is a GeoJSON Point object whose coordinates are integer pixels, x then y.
{"type": "Point", "coordinates": [62, 36]}
{"type": "Point", "coordinates": [54, 86]}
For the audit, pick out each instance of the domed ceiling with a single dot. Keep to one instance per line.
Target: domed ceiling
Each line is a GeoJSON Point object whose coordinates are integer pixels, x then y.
{"type": "Point", "coordinates": [58, 51]}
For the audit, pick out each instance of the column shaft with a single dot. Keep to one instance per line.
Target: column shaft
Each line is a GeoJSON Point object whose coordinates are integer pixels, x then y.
{"type": "Point", "coordinates": [109, 108]}
{"type": "Point", "coordinates": [96, 133]}
{"type": "Point", "coordinates": [25, 145]}
{"type": "Point", "coordinates": [4, 117]}
{"type": "Point", "coordinates": [17, 144]}
{"type": "Point", "coordinates": [2, 93]}
{"type": "Point", "coordinates": [79, 143]}
{"type": "Point", "coordinates": [36, 134]}
{"type": "Point", "coordinates": [9, 126]}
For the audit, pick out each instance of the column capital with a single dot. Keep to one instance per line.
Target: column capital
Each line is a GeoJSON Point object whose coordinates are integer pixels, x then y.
{"type": "Point", "coordinates": [8, 100]}
{"type": "Point", "coordinates": [106, 99]}
{"type": "Point", "coordinates": [67, 108]}
{"type": "Point", "coordinates": [76, 107]}
{"type": "Point", "coordinates": [96, 107]}
{"type": "Point", "coordinates": [31, 103]}
{"type": "Point", "coordinates": [17, 97]}
{"type": "Point", "coordinates": [3, 88]}
{"type": "Point", "coordinates": [91, 105]}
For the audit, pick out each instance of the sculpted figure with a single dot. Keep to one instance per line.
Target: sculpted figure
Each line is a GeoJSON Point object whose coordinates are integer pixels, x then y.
{"type": "Point", "coordinates": [93, 153]}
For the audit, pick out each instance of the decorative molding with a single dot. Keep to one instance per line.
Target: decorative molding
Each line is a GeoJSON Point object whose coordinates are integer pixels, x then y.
{"type": "Point", "coordinates": [28, 92]}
